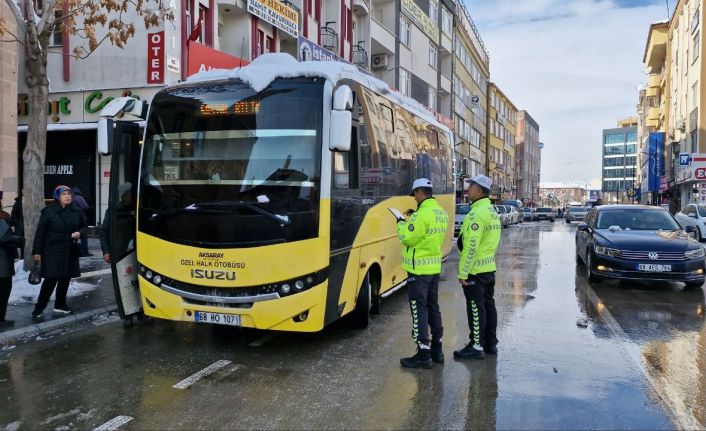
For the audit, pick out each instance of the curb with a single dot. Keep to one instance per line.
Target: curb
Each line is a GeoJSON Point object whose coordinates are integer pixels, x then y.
{"type": "Point", "coordinates": [39, 328]}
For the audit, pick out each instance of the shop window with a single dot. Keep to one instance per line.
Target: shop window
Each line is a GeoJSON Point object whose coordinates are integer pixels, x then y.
{"type": "Point", "coordinates": [260, 42]}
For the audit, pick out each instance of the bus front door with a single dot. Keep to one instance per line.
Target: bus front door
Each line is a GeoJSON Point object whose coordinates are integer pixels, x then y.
{"type": "Point", "coordinates": [120, 218]}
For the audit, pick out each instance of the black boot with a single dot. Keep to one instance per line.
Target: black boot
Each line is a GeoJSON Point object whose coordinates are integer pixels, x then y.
{"type": "Point", "coordinates": [437, 355]}
{"type": "Point", "coordinates": [469, 352]}
{"type": "Point", "coordinates": [421, 360]}
{"type": "Point", "coordinates": [491, 350]}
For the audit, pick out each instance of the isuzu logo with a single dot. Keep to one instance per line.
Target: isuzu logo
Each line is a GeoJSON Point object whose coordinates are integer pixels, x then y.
{"type": "Point", "coordinates": [653, 255]}
{"type": "Point", "coordinates": [212, 275]}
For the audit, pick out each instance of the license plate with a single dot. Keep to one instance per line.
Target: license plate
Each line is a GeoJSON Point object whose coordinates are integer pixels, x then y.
{"type": "Point", "coordinates": [654, 268]}
{"type": "Point", "coordinates": [217, 318]}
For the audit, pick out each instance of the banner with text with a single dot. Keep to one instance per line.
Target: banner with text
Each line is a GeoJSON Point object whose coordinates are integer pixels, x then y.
{"type": "Point", "coordinates": [276, 13]}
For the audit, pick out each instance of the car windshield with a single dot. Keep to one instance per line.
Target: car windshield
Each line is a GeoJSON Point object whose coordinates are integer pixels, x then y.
{"type": "Point", "coordinates": [702, 211]}
{"type": "Point", "coordinates": [636, 219]}
{"type": "Point", "coordinates": [527, 210]}
{"type": "Point", "coordinates": [544, 210]}
{"type": "Point", "coordinates": [463, 209]}
{"type": "Point", "coordinates": [579, 209]}
{"type": "Point", "coordinates": [500, 209]}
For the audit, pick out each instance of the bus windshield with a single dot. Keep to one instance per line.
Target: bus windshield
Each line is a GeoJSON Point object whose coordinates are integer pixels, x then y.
{"type": "Point", "coordinates": [225, 166]}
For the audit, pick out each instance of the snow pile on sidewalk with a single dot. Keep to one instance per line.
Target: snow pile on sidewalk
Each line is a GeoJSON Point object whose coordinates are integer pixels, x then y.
{"type": "Point", "coordinates": [23, 292]}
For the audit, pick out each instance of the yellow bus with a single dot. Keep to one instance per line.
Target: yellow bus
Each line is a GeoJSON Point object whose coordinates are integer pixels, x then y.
{"type": "Point", "coordinates": [259, 197]}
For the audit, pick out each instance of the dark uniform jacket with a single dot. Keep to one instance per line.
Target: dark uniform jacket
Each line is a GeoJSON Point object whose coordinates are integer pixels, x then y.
{"type": "Point", "coordinates": [7, 252]}
{"type": "Point", "coordinates": [124, 230]}
{"type": "Point", "coordinates": [53, 240]}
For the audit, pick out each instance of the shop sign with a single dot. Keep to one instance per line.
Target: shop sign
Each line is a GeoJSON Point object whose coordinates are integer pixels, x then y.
{"type": "Point", "coordinates": [203, 58]}
{"type": "Point", "coordinates": [655, 162]}
{"type": "Point", "coordinates": [276, 13]}
{"type": "Point", "coordinates": [422, 20]}
{"type": "Point", "coordinates": [155, 57]}
{"type": "Point", "coordinates": [694, 172]}
{"type": "Point", "coordinates": [309, 51]}
{"type": "Point", "coordinates": [476, 154]}
{"type": "Point", "coordinates": [79, 106]}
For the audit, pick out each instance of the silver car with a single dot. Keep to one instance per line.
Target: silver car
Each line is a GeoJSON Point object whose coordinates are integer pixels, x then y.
{"type": "Point", "coordinates": [693, 215]}
{"type": "Point", "coordinates": [461, 211]}
{"type": "Point", "coordinates": [576, 214]}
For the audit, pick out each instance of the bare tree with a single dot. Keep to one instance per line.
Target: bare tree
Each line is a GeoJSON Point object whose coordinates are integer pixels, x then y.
{"type": "Point", "coordinates": [94, 22]}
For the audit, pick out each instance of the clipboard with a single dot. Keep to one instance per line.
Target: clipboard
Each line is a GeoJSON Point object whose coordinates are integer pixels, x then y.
{"type": "Point", "coordinates": [398, 215]}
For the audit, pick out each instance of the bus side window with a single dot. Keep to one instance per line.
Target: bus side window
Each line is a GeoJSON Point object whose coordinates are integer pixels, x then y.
{"type": "Point", "coordinates": [345, 164]}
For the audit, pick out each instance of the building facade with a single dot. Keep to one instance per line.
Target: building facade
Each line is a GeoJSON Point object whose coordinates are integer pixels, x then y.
{"type": "Point", "coordinates": [8, 115]}
{"type": "Point", "coordinates": [653, 115]}
{"type": "Point", "coordinates": [429, 50]}
{"type": "Point", "coordinates": [528, 159]}
{"type": "Point", "coordinates": [685, 132]}
{"type": "Point", "coordinates": [619, 163]}
{"type": "Point", "coordinates": [501, 130]}
{"type": "Point", "coordinates": [470, 102]}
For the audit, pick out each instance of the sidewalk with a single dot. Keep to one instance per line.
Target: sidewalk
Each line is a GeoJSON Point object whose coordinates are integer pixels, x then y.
{"type": "Point", "coordinates": [89, 295]}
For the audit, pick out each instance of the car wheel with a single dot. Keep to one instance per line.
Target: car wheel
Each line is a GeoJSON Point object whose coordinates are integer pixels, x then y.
{"type": "Point", "coordinates": [579, 261]}
{"type": "Point", "coordinates": [590, 276]}
{"type": "Point", "coordinates": [551, 220]}
{"type": "Point", "coordinates": [692, 286]}
{"type": "Point", "coordinates": [568, 221]}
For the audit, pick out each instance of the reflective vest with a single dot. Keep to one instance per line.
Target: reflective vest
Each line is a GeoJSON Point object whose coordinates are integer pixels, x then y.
{"type": "Point", "coordinates": [481, 236]}
{"type": "Point", "coordinates": [422, 236]}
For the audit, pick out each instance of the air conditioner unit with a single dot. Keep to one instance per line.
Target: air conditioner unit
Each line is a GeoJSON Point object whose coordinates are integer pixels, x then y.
{"type": "Point", "coordinates": [380, 61]}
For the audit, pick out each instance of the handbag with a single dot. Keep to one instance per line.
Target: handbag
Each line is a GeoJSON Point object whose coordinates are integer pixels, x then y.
{"type": "Point", "coordinates": [35, 274]}
{"type": "Point", "coordinates": [74, 248]}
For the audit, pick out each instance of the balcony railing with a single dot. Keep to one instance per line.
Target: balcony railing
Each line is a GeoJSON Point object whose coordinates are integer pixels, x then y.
{"type": "Point", "coordinates": [360, 55]}
{"type": "Point", "coordinates": [329, 37]}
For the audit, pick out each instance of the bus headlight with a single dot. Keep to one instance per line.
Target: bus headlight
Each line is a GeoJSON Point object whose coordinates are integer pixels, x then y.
{"type": "Point", "coordinates": [157, 279]}
{"type": "Point", "coordinates": [285, 289]}
{"type": "Point", "coordinates": [298, 285]}
{"type": "Point", "coordinates": [148, 274]}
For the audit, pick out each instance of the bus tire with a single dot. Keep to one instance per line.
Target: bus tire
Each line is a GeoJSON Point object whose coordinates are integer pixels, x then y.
{"type": "Point", "coordinates": [360, 316]}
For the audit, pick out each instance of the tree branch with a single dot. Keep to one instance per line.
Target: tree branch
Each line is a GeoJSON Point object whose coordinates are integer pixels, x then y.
{"type": "Point", "coordinates": [47, 15]}
{"type": "Point", "coordinates": [17, 39]}
{"type": "Point", "coordinates": [14, 7]}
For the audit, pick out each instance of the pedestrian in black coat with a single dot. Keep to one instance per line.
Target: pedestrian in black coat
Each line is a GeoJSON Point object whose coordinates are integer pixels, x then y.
{"type": "Point", "coordinates": [17, 221]}
{"type": "Point", "coordinates": [56, 247]}
{"type": "Point", "coordinates": [8, 251]}
{"type": "Point", "coordinates": [80, 202]}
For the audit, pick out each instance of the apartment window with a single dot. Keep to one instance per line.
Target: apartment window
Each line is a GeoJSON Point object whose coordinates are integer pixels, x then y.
{"type": "Point", "coordinates": [260, 42]}
{"type": "Point", "coordinates": [404, 82]}
{"type": "Point", "coordinates": [694, 140]}
{"type": "Point", "coordinates": [57, 36]}
{"type": "Point", "coordinates": [432, 99]}
{"type": "Point", "coordinates": [433, 55]}
{"type": "Point", "coordinates": [434, 10]}
{"type": "Point", "coordinates": [695, 45]}
{"type": "Point", "coordinates": [695, 93]}
{"type": "Point", "coordinates": [404, 32]}
{"type": "Point", "coordinates": [446, 21]}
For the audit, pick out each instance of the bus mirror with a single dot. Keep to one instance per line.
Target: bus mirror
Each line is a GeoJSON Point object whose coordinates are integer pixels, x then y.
{"type": "Point", "coordinates": [340, 131]}
{"type": "Point", "coordinates": [105, 136]}
{"type": "Point", "coordinates": [343, 98]}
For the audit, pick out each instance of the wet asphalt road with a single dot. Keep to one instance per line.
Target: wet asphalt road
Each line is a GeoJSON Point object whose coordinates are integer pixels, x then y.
{"type": "Point", "coordinates": [612, 356]}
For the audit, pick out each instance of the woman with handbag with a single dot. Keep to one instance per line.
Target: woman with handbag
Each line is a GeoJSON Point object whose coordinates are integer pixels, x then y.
{"type": "Point", "coordinates": [9, 242]}
{"type": "Point", "coordinates": [57, 249]}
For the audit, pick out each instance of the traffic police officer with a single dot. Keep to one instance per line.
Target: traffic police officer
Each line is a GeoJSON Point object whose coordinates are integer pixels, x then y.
{"type": "Point", "coordinates": [480, 237]}
{"type": "Point", "coordinates": [422, 235]}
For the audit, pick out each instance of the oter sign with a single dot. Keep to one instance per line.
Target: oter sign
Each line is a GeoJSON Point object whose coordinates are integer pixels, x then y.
{"type": "Point", "coordinates": [155, 58]}
{"type": "Point", "coordinates": [700, 173]}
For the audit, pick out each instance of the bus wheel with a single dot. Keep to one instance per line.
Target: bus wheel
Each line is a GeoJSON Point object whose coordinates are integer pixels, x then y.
{"type": "Point", "coordinates": [360, 316]}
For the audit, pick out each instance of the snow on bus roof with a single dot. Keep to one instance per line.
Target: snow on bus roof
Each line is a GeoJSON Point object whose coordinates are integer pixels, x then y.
{"type": "Point", "coordinates": [267, 67]}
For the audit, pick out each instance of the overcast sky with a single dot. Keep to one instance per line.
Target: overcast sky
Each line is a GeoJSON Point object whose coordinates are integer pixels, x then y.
{"type": "Point", "coordinates": [574, 65]}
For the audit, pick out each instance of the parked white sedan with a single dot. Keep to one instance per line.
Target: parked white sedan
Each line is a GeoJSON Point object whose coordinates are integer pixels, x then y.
{"type": "Point", "coordinates": [693, 215]}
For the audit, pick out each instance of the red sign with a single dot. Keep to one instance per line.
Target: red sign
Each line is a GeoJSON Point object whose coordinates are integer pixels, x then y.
{"type": "Point", "coordinates": [202, 58]}
{"type": "Point", "coordinates": [155, 58]}
{"type": "Point", "coordinates": [700, 173]}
